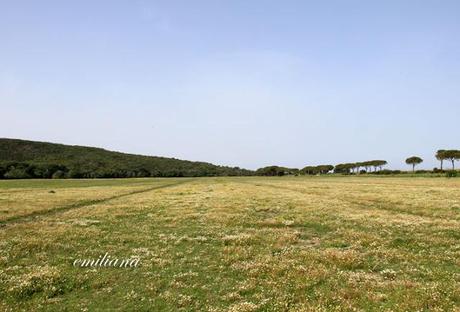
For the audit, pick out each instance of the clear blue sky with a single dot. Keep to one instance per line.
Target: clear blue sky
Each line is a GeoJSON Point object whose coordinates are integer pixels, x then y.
{"type": "Point", "coordinates": [241, 83]}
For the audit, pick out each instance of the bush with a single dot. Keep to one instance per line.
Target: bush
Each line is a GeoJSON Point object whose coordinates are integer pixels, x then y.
{"type": "Point", "coordinates": [17, 173]}
{"type": "Point", "coordinates": [76, 174]}
{"type": "Point", "coordinates": [58, 174]}
{"type": "Point", "coordinates": [388, 172]}
{"type": "Point", "coordinates": [452, 174]}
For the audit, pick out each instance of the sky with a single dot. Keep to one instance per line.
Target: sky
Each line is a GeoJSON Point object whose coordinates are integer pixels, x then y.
{"type": "Point", "coordinates": [238, 83]}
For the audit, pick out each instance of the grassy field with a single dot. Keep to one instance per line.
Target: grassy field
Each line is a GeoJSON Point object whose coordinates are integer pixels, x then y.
{"type": "Point", "coordinates": [232, 244]}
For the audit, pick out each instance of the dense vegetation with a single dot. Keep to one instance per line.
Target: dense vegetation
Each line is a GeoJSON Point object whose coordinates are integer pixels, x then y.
{"type": "Point", "coordinates": [367, 166]}
{"type": "Point", "coordinates": [321, 169]}
{"type": "Point", "coordinates": [349, 168]}
{"type": "Point", "coordinates": [375, 167]}
{"type": "Point", "coordinates": [21, 159]}
{"type": "Point", "coordinates": [276, 171]}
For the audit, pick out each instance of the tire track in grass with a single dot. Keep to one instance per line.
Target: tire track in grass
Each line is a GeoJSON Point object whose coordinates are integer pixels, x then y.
{"type": "Point", "coordinates": [81, 204]}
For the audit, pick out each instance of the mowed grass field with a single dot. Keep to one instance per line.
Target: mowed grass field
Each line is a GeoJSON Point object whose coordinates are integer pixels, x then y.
{"type": "Point", "coordinates": [232, 244]}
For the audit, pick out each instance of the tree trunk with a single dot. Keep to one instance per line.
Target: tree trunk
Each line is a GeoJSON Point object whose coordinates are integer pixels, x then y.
{"type": "Point", "coordinates": [413, 168]}
{"type": "Point", "coordinates": [442, 160]}
{"type": "Point", "coordinates": [453, 164]}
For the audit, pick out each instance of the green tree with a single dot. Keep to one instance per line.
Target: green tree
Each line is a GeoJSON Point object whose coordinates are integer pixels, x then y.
{"type": "Point", "coordinates": [380, 163]}
{"type": "Point", "coordinates": [308, 170]}
{"type": "Point", "coordinates": [359, 165]}
{"type": "Point", "coordinates": [414, 161]}
{"type": "Point", "coordinates": [342, 168]}
{"type": "Point", "coordinates": [440, 155]}
{"type": "Point", "coordinates": [324, 169]}
{"type": "Point", "coordinates": [58, 174]}
{"type": "Point", "coordinates": [3, 170]}
{"type": "Point", "coordinates": [17, 173]}
{"type": "Point", "coordinates": [452, 155]}
{"type": "Point", "coordinates": [271, 171]}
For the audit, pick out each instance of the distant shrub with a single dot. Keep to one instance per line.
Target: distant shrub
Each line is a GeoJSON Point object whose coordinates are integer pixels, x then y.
{"type": "Point", "coordinates": [312, 170]}
{"type": "Point", "coordinates": [142, 173]}
{"type": "Point", "coordinates": [58, 174]}
{"type": "Point", "coordinates": [75, 174]}
{"type": "Point", "coordinates": [272, 171]}
{"type": "Point", "coordinates": [17, 173]}
{"type": "Point", "coordinates": [387, 172]}
{"type": "Point", "coordinates": [422, 171]}
{"type": "Point", "coordinates": [452, 174]}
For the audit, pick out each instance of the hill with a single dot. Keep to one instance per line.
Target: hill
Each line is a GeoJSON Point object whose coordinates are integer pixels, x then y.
{"type": "Point", "coordinates": [31, 159]}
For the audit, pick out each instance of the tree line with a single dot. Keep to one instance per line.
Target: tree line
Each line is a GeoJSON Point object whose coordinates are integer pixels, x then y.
{"type": "Point", "coordinates": [441, 155]}
{"type": "Point", "coordinates": [281, 171]}
{"type": "Point", "coordinates": [27, 159]}
{"type": "Point", "coordinates": [367, 166]}
{"type": "Point", "coordinates": [450, 155]}
{"type": "Point", "coordinates": [348, 168]}
{"type": "Point", "coordinates": [372, 166]}
{"type": "Point", "coordinates": [24, 170]}
{"type": "Point", "coordinates": [21, 159]}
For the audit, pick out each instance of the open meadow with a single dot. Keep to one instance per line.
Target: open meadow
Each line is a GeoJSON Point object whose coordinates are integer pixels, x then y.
{"type": "Point", "coordinates": [232, 244]}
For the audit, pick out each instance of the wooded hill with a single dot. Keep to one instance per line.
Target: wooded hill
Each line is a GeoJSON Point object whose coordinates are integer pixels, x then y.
{"type": "Point", "coordinates": [30, 159]}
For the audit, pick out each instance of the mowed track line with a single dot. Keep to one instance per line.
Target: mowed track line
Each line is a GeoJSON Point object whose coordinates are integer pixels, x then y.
{"type": "Point", "coordinates": [81, 204]}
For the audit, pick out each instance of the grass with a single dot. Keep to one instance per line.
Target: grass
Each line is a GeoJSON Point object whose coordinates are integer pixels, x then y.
{"type": "Point", "coordinates": [232, 244]}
